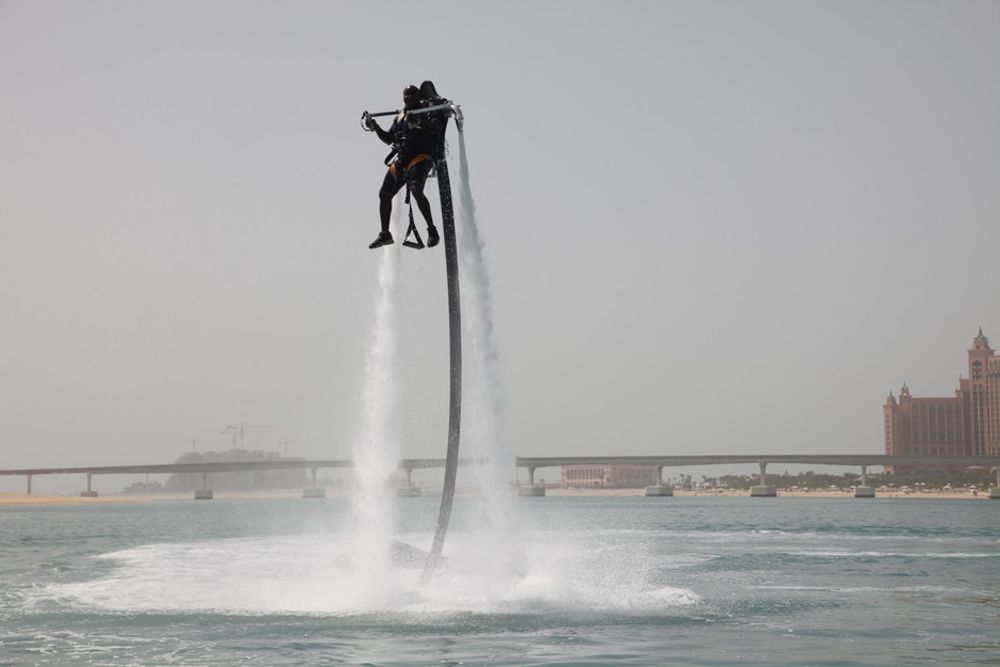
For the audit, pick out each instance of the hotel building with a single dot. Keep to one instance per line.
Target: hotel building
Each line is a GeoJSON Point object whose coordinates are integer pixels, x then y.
{"type": "Point", "coordinates": [612, 476]}
{"type": "Point", "coordinates": [967, 424]}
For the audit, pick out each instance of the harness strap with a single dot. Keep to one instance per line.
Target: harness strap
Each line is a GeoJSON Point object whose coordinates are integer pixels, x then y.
{"type": "Point", "coordinates": [417, 160]}
{"type": "Point", "coordinates": [395, 166]}
{"type": "Point", "coordinates": [417, 243]}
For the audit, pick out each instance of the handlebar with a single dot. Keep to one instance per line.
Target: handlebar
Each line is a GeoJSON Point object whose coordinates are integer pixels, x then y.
{"type": "Point", "coordinates": [449, 106]}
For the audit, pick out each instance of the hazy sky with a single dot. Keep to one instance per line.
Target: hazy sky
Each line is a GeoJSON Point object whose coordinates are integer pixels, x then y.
{"type": "Point", "coordinates": [720, 227]}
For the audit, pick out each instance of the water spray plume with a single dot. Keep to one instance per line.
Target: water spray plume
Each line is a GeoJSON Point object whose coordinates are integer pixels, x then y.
{"type": "Point", "coordinates": [484, 404]}
{"type": "Point", "coordinates": [376, 449]}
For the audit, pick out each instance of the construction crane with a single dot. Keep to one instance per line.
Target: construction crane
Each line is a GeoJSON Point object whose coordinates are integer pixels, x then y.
{"type": "Point", "coordinates": [242, 429]}
{"type": "Point", "coordinates": [284, 444]}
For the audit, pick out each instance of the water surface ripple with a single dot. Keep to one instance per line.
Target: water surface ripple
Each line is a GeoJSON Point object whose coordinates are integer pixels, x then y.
{"type": "Point", "coordinates": [597, 581]}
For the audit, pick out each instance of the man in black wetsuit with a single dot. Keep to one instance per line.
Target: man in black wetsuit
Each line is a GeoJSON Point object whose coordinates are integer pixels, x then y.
{"type": "Point", "coordinates": [414, 141]}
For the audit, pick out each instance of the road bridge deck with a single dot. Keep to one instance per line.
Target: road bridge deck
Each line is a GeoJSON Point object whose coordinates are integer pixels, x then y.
{"type": "Point", "coordinates": [532, 463]}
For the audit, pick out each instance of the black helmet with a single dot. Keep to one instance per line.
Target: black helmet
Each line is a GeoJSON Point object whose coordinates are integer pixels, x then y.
{"type": "Point", "coordinates": [428, 92]}
{"type": "Point", "coordinates": [411, 95]}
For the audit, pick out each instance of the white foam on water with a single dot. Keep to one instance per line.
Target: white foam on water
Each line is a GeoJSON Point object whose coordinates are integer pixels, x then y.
{"type": "Point", "coordinates": [891, 554]}
{"type": "Point", "coordinates": [863, 589]}
{"type": "Point", "coordinates": [320, 575]}
{"type": "Point", "coordinates": [767, 535]}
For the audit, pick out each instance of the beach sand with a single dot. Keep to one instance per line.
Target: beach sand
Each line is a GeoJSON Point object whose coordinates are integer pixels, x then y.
{"type": "Point", "coordinates": [119, 498]}
{"type": "Point", "coordinates": [45, 499]}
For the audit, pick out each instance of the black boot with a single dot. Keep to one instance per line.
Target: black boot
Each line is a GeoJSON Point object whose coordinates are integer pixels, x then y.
{"type": "Point", "coordinates": [384, 238]}
{"type": "Point", "coordinates": [432, 236]}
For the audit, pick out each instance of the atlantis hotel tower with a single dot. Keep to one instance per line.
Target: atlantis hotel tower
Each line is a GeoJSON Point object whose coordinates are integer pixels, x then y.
{"type": "Point", "coordinates": [966, 425]}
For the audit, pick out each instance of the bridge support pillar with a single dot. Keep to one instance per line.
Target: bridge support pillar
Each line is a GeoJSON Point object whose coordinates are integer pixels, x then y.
{"type": "Point", "coordinates": [89, 493]}
{"type": "Point", "coordinates": [763, 490]}
{"type": "Point", "coordinates": [29, 485]}
{"type": "Point", "coordinates": [408, 491]}
{"type": "Point", "coordinates": [531, 490]}
{"type": "Point", "coordinates": [994, 490]}
{"type": "Point", "coordinates": [865, 490]}
{"type": "Point", "coordinates": [659, 489]}
{"type": "Point", "coordinates": [204, 493]}
{"type": "Point", "coordinates": [313, 491]}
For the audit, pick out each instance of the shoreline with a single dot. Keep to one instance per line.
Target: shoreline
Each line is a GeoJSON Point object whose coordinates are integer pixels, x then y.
{"type": "Point", "coordinates": [7, 499]}
{"type": "Point", "coordinates": [40, 499]}
{"type": "Point", "coordinates": [849, 493]}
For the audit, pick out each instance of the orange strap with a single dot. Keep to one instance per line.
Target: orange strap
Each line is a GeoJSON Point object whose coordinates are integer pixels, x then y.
{"type": "Point", "coordinates": [417, 160]}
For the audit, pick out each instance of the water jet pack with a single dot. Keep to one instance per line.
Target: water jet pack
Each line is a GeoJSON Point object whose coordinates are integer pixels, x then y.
{"type": "Point", "coordinates": [440, 110]}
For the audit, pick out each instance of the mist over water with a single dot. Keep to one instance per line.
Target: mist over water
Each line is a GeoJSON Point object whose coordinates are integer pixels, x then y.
{"type": "Point", "coordinates": [319, 574]}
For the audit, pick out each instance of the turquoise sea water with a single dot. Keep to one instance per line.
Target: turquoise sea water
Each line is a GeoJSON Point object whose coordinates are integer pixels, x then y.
{"type": "Point", "coordinates": [582, 581]}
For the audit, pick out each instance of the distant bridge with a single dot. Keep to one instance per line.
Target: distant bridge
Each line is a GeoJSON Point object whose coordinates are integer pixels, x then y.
{"type": "Point", "coordinates": [862, 461]}
{"type": "Point", "coordinates": [670, 461]}
{"type": "Point", "coordinates": [206, 468]}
